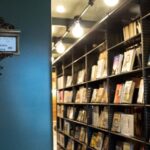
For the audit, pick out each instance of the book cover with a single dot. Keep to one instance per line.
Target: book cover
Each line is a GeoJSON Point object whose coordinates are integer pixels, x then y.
{"type": "Point", "coordinates": [95, 116]}
{"type": "Point", "coordinates": [94, 95]}
{"type": "Point", "coordinates": [129, 57]}
{"type": "Point", "coordinates": [100, 94]}
{"type": "Point", "coordinates": [127, 146]}
{"type": "Point", "coordinates": [82, 134]}
{"type": "Point", "coordinates": [117, 98]}
{"type": "Point", "coordinates": [116, 125]}
{"type": "Point", "coordinates": [106, 143]}
{"type": "Point", "coordinates": [115, 64]}
{"type": "Point", "coordinates": [69, 81]}
{"type": "Point", "coordinates": [128, 92]}
{"type": "Point", "coordinates": [140, 98]}
{"type": "Point", "coordinates": [103, 119]}
{"type": "Point", "coordinates": [127, 124]}
{"type": "Point", "coordinates": [94, 72]}
{"type": "Point", "coordinates": [81, 75]}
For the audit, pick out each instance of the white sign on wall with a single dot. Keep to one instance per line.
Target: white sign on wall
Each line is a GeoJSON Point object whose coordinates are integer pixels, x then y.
{"type": "Point", "coordinates": [8, 44]}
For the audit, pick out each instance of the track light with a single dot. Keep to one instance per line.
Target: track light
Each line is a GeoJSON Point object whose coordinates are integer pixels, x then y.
{"type": "Point", "coordinates": [77, 30]}
{"type": "Point", "coordinates": [60, 48]}
{"type": "Point", "coordinates": [111, 3]}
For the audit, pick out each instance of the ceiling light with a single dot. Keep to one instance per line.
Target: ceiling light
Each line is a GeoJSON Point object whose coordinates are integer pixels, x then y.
{"type": "Point", "coordinates": [77, 30]}
{"type": "Point", "coordinates": [60, 9]}
{"type": "Point", "coordinates": [111, 3]}
{"type": "Point", "coordinates": [60, 48]}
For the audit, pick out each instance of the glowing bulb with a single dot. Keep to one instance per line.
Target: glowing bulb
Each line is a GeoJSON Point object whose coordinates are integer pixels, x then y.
{"type": "Point", "coordinates": [60, 9]}
{"type": "Point", "coordinates": [60, 48]}
{"type": "Point", "coordinates": [77, 30]}
{"type": "Point", "coordinates": [111, 3]}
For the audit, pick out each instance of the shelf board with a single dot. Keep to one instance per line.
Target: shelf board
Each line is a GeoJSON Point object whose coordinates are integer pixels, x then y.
{"type": "Point", "coordinates": [100, 79]}
{"type": "Point", "coordinates": [71, 137]}
{"type": "Point", "coordinates": [128, 105]}
{"type": "Point", "coordinates": [79, 84]}
{"type": "Point", "coordinates": [89, 147]}
{"type": "Point", "coordinates": [123, 43]}
{"type": "Point", "coordinates": [65, 103]}
{"type": "Point", "coordinates": [59, 75]}
{"type": "Point", "coordinates": [80, 58]}
{"type": "Point", "coordinates": [146, 16]}
{"type": "Point", "coordinates": [97, 128]}
{"type": "Point", "coordinates": [77, 122]}
{"type": "Point", "coordinates": [61, 145]}
{"type": "Point", "coordinates": [147, 68]}
{"type": "Point", "coordinates": [95, 48]}
{"type": "Point", "coordinates": [126, 73]}
{"type": "Point", "coordinates": [131, 138]}
{"type": "Point", "coordinates": [67, 66]}
{"type": "Point", "coordinates": [100, 104]}
{"type": "Point", "coordinates": [147, 105]}
{"type": "Point", "coordinates": [68, 87]}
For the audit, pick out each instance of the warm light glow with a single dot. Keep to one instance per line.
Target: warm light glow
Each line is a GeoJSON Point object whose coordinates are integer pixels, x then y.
{"type": "Point", "coordinates": [52, 59]}
{"type": "Point", "coordinates": [60, 48]}
{"type": "Point", "coordinates": [77, 30]}
{"type": "Point", "coordinates": [60, 9]}
{"type": "Point", "coordinates": [111, 3]}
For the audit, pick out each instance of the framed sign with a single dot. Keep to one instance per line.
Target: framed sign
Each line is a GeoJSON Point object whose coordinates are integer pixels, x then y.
{"type": "Point", "coordinates": [9, 42]}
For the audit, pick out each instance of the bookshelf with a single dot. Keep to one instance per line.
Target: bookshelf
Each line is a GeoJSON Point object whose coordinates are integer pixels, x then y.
{"type": "Point", "coordinates": [99, 47]}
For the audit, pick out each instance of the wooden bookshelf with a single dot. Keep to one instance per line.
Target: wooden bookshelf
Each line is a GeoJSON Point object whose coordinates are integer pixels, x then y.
{"type": "Point", "coordinates": [83, 55]}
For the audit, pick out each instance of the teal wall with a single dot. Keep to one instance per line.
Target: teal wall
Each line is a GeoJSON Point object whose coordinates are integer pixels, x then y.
{"type": "Point", "coordinates": [25, 109]}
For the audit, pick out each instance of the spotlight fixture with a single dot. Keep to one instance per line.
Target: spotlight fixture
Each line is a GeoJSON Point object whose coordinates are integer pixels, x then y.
{"type": "Point", "coordinates": [77, 29]}
{"type": "Point", "coordinates": [60, 48]}
{"type": "Point", "coordinates": [60, 9]}
{"type": "Point", "coordinates": [111, 3]}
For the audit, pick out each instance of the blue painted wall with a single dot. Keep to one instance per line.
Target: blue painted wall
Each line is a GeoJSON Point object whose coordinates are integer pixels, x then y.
{"type": "Point", "coordinates": [25, 84]}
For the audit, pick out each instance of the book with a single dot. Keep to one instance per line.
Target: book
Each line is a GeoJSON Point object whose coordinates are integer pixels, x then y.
{"type": "Point", "coordinates": [97, 140]}
{"type": "Point", "coordinates": [94, 72]}
{"type": "Point", "coordinates": [94, 95]}
{"type": "Point", "coordinates": [118, 92]}
{"type": "Point", "coordinates": [89, 94]}
{"type": "Point", "coordinates": [117, 64]}
{"type": "Point", "coordinates": [104, 98]}
{"type": "Point", "coordinates": [128, 92]}
{"type": "Point", "coordinates": [66, 127]}
{"type": "Point", "coordinates": [68, 95]}
{"type": "Point", "coordinates": [70, 145]}
{"type": "Point", "coordinates": [119, 146]}
{"type": "Point", "coordinates": [129, 57]}
{"type": "Point", "coordinates": [69, 81]}
{"type": "Point", "coordinates": [70, 112]}
{"type": "Point", "coordinates": [95, 116]}
{"type": "Point", "coordinates": [127, 124]}
{"type": "Point", "coordinates": [127, 146]}
{"type": "Point", "coordinates": [81, 95]}
{"type": "Point", "coordinates": [77, 132]}
{"type": "Point", "coordinates": [116, 125]}
{"type": "Point", "coordinates": [100, 94]}
{"type": "Point", "coordinates": [60, 82]}
{"type": "Point", "coordinates": [103, 119]}
{"type": "Point", "coordinates": [102, 65]}
{"type": "Point", "coordinates": [82, 134]}
{"type": "Point", "coordinates": [106, 143]}
{"type": "Point", "coordinates": [140, 98]}
{"type": "Point", "coordinates": [81, 75]}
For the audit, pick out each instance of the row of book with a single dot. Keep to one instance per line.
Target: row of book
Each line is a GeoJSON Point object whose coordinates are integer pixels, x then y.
{"type": "Point", "coordinates": [132, 57]}
{"type": "Point", "coordinates": [125, 92]}
{"type": "Point", "coordinates": [132, 29]}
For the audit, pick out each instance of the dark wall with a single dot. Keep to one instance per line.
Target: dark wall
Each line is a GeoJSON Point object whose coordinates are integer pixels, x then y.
{"type": "Point", "coordinates": [25, 109]}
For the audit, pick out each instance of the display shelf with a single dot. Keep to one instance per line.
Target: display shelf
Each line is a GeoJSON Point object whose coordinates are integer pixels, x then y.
{"type": "Point", "coordinates": [99, 129]}
{"type": "Point", "coordinates": [86, 54]}
{"type": "Point", "coordinates": [126, 73]}
{"type": "Point", "coordinates": [127, 43]}
{"type": "Point", "coordinates": [61, 146]}
{"type": "Point", "coordinates": [77, 122]}
{"type": "Point", "coordinates": [146, 16]}
{"type": "Point", "coordinates": [127, 105]}
{"type": "Point", "coordinates": [130, 138]}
